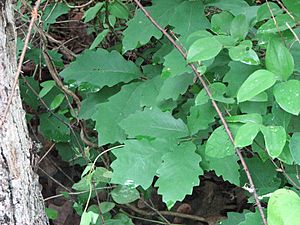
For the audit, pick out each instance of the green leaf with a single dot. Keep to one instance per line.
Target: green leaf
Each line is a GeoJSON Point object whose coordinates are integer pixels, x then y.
{"type": "Point", "coordinates": [283, 208]}
{"type": "Point", "coordinates": [233, 218]}
{"type": "Point", "coordinates": [54, 129]}
{"type": "Point", "coordinates": [101, 68]}
{"type": "Point", "coordinates": [261, 97]}
{"type": "Point", "coordinates": [91, 13]}
{"type": "Point", "coordinates": [244, 53]}
{"type": "Point", "coordinates": [132, 36]}
{"type": "Point", "coordinates": [279, 60]}
{"type": "Point", "coordinates": [109, 114]}
{"type": "Point", "coordinates": [106, 206]}
{"type": "Point", "coordinates": [161, 11]}
{"type": "Point", "coordinates": [219, 145]}
{"type": "Point", "coordinates": [293, 6]}
{"type": "Point", "coordinates": [27, 95]}
{"type": "Point", "coordinates": [200, 117]}
{"type": "Point", "coordinates": [88, 218]}
{"type": "Point", "coordinates": [281, 21]}
{"type": "Point", "coordinates": [226, 167]}
{"type": "Point", "coordinates": [264, 12]}
{"type": "Point", "coordinates": [204, 49]}
{"type": "Point", "coordinates": [174, 86]}
{"type": "Point", "coordinates": [91, 101]}
{"type": "Point", "coordinates": [99, 38]}
{"type": "Point", "coordinates": [175, 64]}
{"type": "Point", "coordinates": [138, 161]}
{"type": "Point", "coordinates": [239, 27]}
{"type": "Point", "coordinates": [275, 138]}
{"type": "Point", "coordinates": [118, 9]}
{"type": "Point", "coordinates": [154, 123]}
{"type": "Point", "coordinates": [101, 174]}
{"type": "Point", "coordinates": [221, 22]}
{"type": "Point", "coordinates": [245, 118]}
{"type": "Point", "coordinates": [176, 181]}
{"type": "Point", "coordinates": [263, 174]}
{"type": "Point", "coordinates": [246, 134]}
{"type": "Point", "coordinates": [51, 213]}
{"type": "Point", "coordinates": [287, 95]}
{"type": "Point", "coordinates": [52, 12]}
{"type": "Point", "coordinates": [124, 194]}
{"type": "Point", "coordinates": [195, 18]}
{"type": "Point", "coordinates": [119, 219]}
{"type": "Point", "coordinates": [252, 218]}
{"type": "Point", "coordinates": [57, 101]}
{"type": "Point", "coordinates": [256, 83]}
{"type": "Point", "coordinates": [235, 78]}
{"type": "Point", "coordinates": [233, 6]}
{"type": "Point", "coordinates": [47, 86]}
{"type": "Point", "coordinates": [217, 90]}
{"type": "Point", "coordinates": [295, 147]}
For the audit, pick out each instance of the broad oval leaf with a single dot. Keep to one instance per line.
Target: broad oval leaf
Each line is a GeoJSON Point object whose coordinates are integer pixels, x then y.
{"type": "Point", "coordinates": [101, 68]}
{"type": "Point", "coordinates": [295, 147]}
{"type": "Point", "coordinates": [256, 83]}
{"type": "Point", "coordinates": [245, 118]}
{"type": "Point", "coordinates": [293, 6]}
{"type": "Point", "coordinates": [281, 21]}
{"type": "Point", "coordinates": [264, 12]}
{"type": "Point", "coordinates": [124, 194]}
{"type": "Point", "coordinates": [58, 99]}
{"type": "Point", "coordinates": [154, 123]}
{"type": "Point", "coordinates": [239, 27]}
{"type": "Point", "coordinates": [220, 23]}
{"type": "Point", "coordinates": [91, 13]}
{"type": "Point", "coordinates": [283, 208]}
{"type": "Point", "coordinates": [204, 49]}
{"type": "Point", "coordinates": [279, 60]}
{"type": "Point", "coordinates": [275, 138]}
{"type": "Point", "coordinates": [287, 95]}
{"type": "Point", "coordinates": [246, 134]}
{"type": "Point", "coordinates": [118, 9]}
{"type": "Point", "coordinates": [219, 145]}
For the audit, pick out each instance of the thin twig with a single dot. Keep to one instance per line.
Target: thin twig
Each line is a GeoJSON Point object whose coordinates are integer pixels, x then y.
{"type": "Point", "coordinates": [254, 193]}
{"type": "Point", "coordinates": [53, 179]}
{"type": "Point", "coordinates": [98, 201]}
{"type": "Point", "coordinates": [76, 193]}
{"type": "Point", "coordinates": [285, 9]}
{"type": "Point", "coordinates": [274, 20]}
{"type": "Point", "coordinates": [47, 152]}
{"type": "Point", "coordinates": [156, 211]}
{"type": "Point", "coordinates": [34, 16]}
{"type": "Point", "coordinates": [293, 32]}
{"type": "Point", "coordinates": [165, 213]}
{"type": "Point", "coordinates": [79, 6]}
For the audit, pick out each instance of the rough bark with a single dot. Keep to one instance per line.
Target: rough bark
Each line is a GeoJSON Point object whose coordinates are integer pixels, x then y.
{"type": "Point", "coordinates": [21, 201]}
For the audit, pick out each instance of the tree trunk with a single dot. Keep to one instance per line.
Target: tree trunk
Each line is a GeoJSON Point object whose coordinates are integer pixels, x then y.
{"type": "Point", "coordinates": [21, 201]}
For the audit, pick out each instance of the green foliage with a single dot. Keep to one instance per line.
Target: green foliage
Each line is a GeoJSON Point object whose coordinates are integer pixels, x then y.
{"type": "Point", "coordinates": [219, 145]}
{"type": "Point", "coordinates": [204, 49]}
{"type": "Point", "coordinates": [287, 96]}
{"type": "Point", "coordinates": [279, 59]}
{"type": "Point", "coordinates": [51, 213]}
{"type": "Point", "coordinates": [255, 84]}
{"type": "Point", "coordinates": [142, 103]}
{"type": "Point", "coordinates": [284, 208]}
{"type": "Point", "coordinates": [101, 68]}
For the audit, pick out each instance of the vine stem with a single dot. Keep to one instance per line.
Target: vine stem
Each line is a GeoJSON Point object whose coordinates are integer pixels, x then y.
{"type": "Point", "coordinates": [179, 48]}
